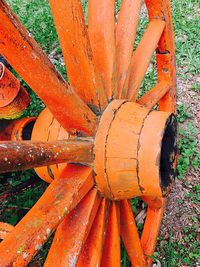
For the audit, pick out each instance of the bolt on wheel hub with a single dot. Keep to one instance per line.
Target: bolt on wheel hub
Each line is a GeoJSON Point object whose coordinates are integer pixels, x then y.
{"type": "Point", "coordinates": [131, 143]}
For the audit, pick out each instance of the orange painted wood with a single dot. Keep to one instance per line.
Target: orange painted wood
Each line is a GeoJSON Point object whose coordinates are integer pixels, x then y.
{"type": "Point", "coordinates": [142, 56]}
{"type": "Point", "coordinates": [70, 24]}
{"type": "Point", "coordinates": [101, 28]}
{"type": "Point", "coordinates": [130, 235]}
{"type": "Point", "coordinates": [16, 108]}
{"type": "Point", "coordinates": [125, 36]}
{"type": "Point", "coordinates": [166, 72]}
{"type": "Point", "coordinates": [5, 229]}
{"type": "Point", "coordinates": [92, 250]}
{"type": "Point", "coordinates": [6, 127]}
{"type": "Point", "coordinates": [152, 97]}
{"type": "Point", "coordinates": [18, 132]}
{"type": "Point", "coordinates": [153, 202]}
{"type": "Point", "coordinates": [73, 231]}
{"type": "Point", "coordinates": [165, 57]}
{"type": "Point", "coordinates": [9, 86]}
{"type": "Point", "coordinates": [47, 128]}
{"type": "Point", "coordinates": [111, 252]}
{"type": "Point", "coordinates": [62, 195]}
{"type": "Point", "coordinates": [22, 155]}
{"type": "Point", "coordinates": [150, 232]}
{"type": "Point", "coordinates": [27, 58]}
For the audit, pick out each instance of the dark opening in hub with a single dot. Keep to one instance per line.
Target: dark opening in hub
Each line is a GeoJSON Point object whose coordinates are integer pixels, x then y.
{"type": "Point", "coordinates": [27, 131]}
{"type": "Point", "coordinates": [168, 153]}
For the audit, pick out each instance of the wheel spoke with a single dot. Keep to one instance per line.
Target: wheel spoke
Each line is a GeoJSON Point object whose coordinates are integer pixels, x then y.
{"type": "Point", "coordinates": [101, 26]}
{"type": "Point", "coordinates": [73, 36]}
{"type": "Point", "coordinates": [27, 58]}
{"type": "Point", "coordinates": [152, 97]}
{"type": "Point", "coordinates": [150, 232]}
{"type": "Point", "coordinates": [22, 155]}
{"type": "Point", "coordinates": [125, 36]}
{"type": "Point", "coordinates": [92, 250]}
{"type": "Point", "coordinates": [16, 107]}
{"type": "Point", "coordinates": [72, 232]}
{"type": "Point", "coordinates": [130, 235]}
{"type": "Point", "coordinates": [142, 56]}
{"type": "Point", "coordinates": [153, 202]}
{"type": "Point", "coordinates": [111, 252]}
{"type": "Point", "coordinates": [34, 229]}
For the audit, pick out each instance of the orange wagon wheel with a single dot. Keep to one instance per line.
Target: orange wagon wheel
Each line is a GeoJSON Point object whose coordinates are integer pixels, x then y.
{"type": "Point", "coordinates": [115, 146]}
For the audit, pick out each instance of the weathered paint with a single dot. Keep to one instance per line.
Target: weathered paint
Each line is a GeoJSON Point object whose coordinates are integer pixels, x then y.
{"type": "Point", "coordinates": [22, 155]}
{"type": "Point", "coordinates": [36, 69]}
{"type": "Point", "coordinates": [92, 250]}
{"type": "Point", "coordinates": [5, 229]}
{"type": "Point", "coordinates": [9, 86]}
{"type": "Point", "coordinates": [72, 233]}
{"type": "Point", "coordinates": [122, 167]}
{"type": "Point", "coordinates": [125, 36]}
{"type": "Point", "coordinates": [15, 108]}
{"type": "Point", "coordinates": [17, 249]}
{"type": "Point", "coordinates": [111, 249]}
{"type": "Point", "coordinates": [101, 29]}
{"type": "Point", "coordinates": [77, 52]}
{"type": "Point", "coordinates": [28, 236]}
{"type": "Point", "coordinates": [130, 236]}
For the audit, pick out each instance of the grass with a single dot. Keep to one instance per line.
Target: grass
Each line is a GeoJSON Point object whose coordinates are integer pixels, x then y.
{"type": "Point", "coordinates": [36, 16]}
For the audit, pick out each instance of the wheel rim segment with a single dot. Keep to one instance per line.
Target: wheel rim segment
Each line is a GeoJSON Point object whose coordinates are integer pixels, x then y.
{"type": "Point", "coordinates": [89, 221]}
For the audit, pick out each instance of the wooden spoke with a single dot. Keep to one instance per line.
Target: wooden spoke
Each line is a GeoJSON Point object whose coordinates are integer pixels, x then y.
{"type": "Point", "coordinates": [92, 250]}
{"type": "Point", "coordinates": [111, 252]}
{"type": "Point", "coordinates": [101, 26]}
{"type": "Point", "coordinates": [22, 155]}
{"type": "Point", "coordinates": [34, 229]}
{"type": "Point", "coordinates": [27, 58]}
{"type": "Point", "coordinates": [16, 108]}
{"type": "Point", "coordinates": [72, 232]}
{"type": "Point", "coordinates": [73, 36]}
{"type": "Point", "coordinates": [130, 235]}
{"type": "Point", "coordinates": [153, 202]}
{"type": "Point", "coordinates": [5, 229]}
{"type": "Point", "coordinates": [150, 232]}
{"type": "Point", "coordinates": [125, 37]}
{"type": "Point", "coordinates": [142, 56]}
{"type": "Point", "coordinates": [152, 97]}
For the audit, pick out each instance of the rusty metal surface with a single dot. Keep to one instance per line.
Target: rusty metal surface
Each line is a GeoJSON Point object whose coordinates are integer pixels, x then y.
{"type": "Point", "coordinates": [24, 155]}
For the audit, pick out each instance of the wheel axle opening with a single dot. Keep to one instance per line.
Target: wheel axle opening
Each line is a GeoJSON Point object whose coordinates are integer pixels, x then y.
{"type": "Point", "coordinates": [168, 152]}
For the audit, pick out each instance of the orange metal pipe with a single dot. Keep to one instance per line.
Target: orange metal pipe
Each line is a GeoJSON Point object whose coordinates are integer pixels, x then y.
{"type": "Point", "coordinates": [72, 232]}
{"type": "Point", "coordinates": [130, 235]}
{"type": "Point", "coordinates": [9, 86]}
{"type": "Point", "coordinates": [152, 97]}
{"type": "Point", "coordinates": [101, 28]}
{"type": "Point", "coordinates": [72, 31]}
{"type": "Point", "coordinates": [27, 58]}
{"type": "Point", "coordinates": [62, 195]}
{"type": "Point", "coordinates": [125, 36]}
{"type": "Point", "coordinates": [24, 155]}
{"type": "Point", "coordinates": [92, 250]}
{"type": "Point", "coordinates": [142, 56]}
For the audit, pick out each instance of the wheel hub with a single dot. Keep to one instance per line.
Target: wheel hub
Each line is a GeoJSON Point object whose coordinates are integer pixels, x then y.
{"type": "Point", "coordinates": [134, 151]}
